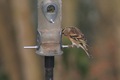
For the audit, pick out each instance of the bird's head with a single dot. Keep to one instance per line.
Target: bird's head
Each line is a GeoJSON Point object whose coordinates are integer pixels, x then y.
{"type": "Point", "coordinates": [65, 31]}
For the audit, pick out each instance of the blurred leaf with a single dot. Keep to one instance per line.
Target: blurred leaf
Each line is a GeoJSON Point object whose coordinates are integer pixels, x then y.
{"type": "Point", "coordinates": [82, 62]}
{"type": "Point", "coordinates": [3, 76]}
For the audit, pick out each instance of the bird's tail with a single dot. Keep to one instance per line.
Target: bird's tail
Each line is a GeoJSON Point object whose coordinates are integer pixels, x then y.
{"type": "Point", "coordinates": [84, 47]}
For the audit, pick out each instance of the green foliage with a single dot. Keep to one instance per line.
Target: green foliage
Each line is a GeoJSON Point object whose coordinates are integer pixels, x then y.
{"type": "Point", "coordinates": [66, 52]}
{"type": "Point", "coordinates": [80, 62]}
{"type": "Point", "coordinates": [3, 76]}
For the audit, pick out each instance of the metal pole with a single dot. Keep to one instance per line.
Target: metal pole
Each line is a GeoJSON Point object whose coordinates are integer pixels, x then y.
{"type": "Point", "coordinates": [49, 65]}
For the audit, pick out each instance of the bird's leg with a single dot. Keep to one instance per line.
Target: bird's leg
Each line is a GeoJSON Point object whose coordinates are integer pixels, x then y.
{"type": "Point", "coordinates": [71, 46]}
{"type": "Point", "coordinates": [77, 46]}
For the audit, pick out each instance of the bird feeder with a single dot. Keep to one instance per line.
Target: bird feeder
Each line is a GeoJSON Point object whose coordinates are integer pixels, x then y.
{"type": "Point", "coordinates": [49, 33]}
{"type": "Point", "coordinates": [49, 27]}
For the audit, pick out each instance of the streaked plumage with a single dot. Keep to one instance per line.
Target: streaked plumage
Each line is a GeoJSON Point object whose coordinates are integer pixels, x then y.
{"type": "Point", "coordinates": [76, 37]}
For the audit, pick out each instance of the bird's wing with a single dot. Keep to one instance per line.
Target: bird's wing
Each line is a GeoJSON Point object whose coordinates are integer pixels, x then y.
{"type": "Point", "coordinates": [76, 34]}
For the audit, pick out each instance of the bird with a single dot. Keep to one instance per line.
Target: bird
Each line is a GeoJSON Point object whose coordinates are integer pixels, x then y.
{"type": "Point", "coordinates": [76, 37]}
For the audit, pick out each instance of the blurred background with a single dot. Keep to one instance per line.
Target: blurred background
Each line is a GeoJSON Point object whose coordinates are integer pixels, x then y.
{"type": "Point", "coordinates": [99, 20]}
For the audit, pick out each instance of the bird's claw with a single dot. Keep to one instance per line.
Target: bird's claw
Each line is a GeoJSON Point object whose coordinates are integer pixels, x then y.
{"type": "Point", "coordinates": [71, 46]}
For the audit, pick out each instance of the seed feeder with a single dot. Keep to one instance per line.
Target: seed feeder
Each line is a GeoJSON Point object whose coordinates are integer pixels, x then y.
{"type": "Point", "coordinates": [49, 27]}
{"type": "Point", "coordinates": [48, 33]}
